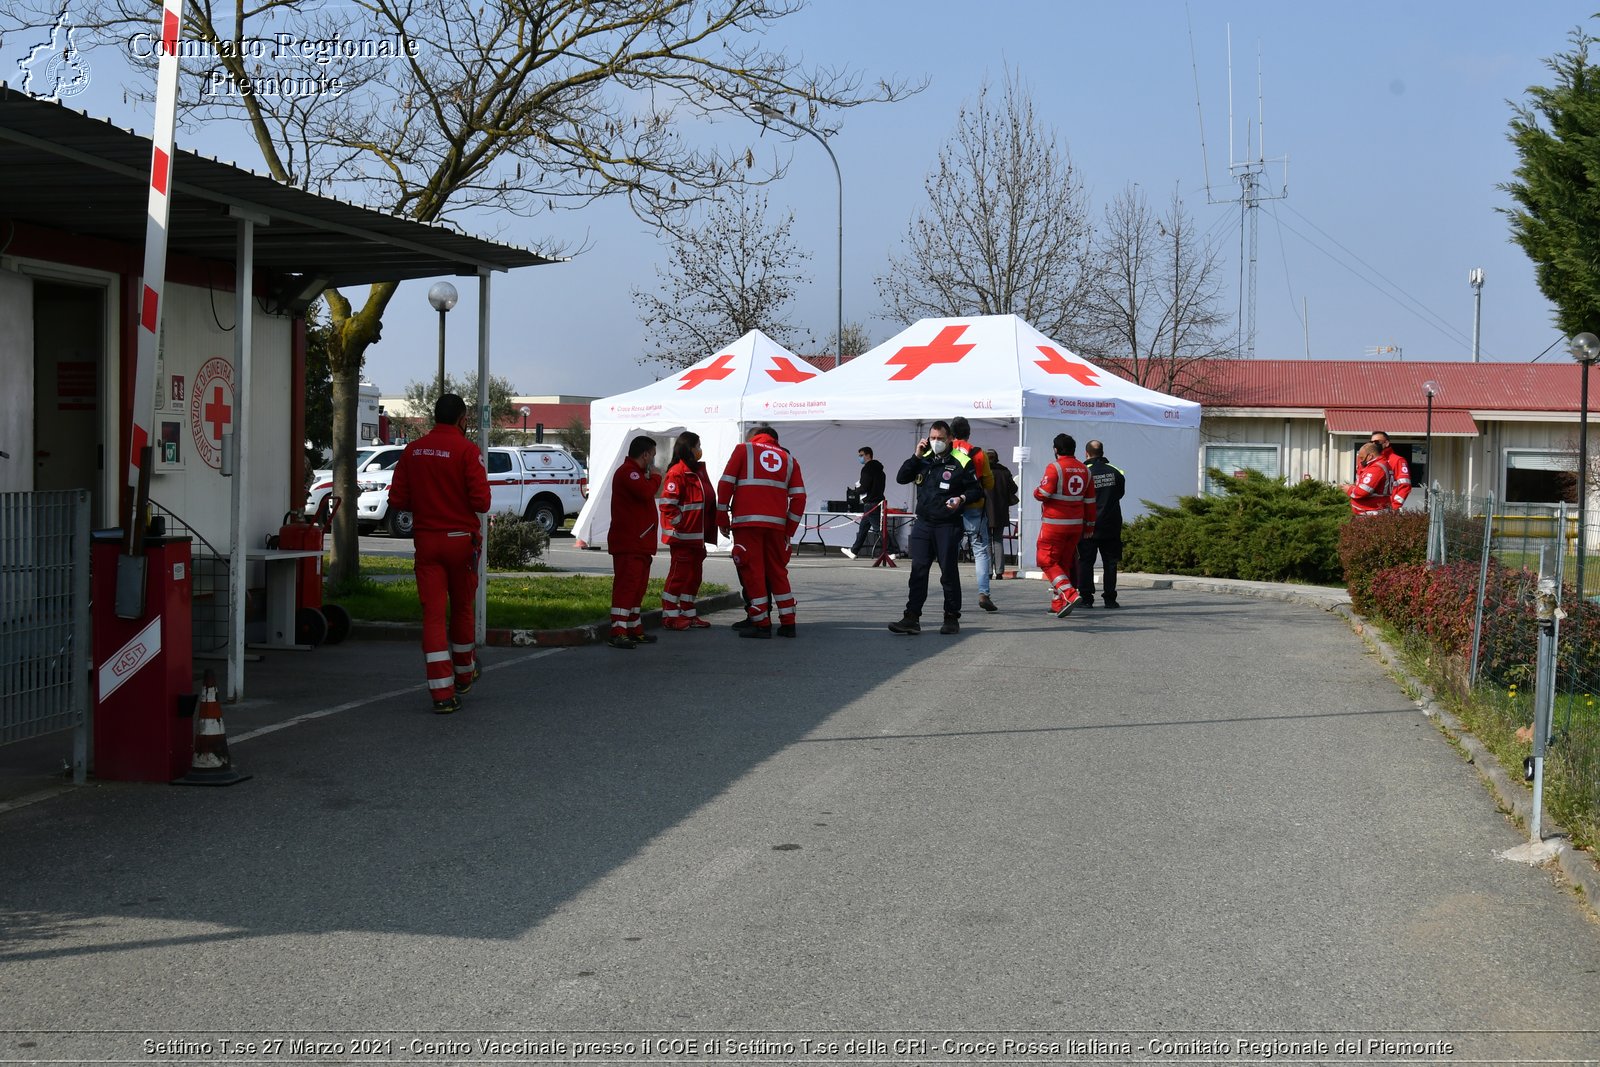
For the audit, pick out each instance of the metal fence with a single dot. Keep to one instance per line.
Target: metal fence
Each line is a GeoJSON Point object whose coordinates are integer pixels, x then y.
{"type": "Point", "coordinates": [1500, 550]}
{"type": "Point", "coordinates": [44, 618]}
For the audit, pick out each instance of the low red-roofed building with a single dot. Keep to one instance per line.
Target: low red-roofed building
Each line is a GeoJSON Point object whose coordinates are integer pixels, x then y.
{"type": "Point", "coordinates": [1510, 429]}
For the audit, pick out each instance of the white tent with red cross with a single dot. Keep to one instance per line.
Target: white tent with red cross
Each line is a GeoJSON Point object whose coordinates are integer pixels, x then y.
{"type": "Point", "coordinates": [708, 399]}
{"type": "Point", "coordinates": [1018, 389]}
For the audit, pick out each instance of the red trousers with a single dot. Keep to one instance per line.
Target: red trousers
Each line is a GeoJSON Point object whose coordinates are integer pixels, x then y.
{"type": "Point", "coordinates": [683, 580]}
{"type": "Point", "coordinates": [761, 554]}
{"type": "Point", "coordinates": [1058, 557]}
{"type": "Point", "coordinates": [447, 584]}
{"type": "Point", "coordinates": [630, 576]}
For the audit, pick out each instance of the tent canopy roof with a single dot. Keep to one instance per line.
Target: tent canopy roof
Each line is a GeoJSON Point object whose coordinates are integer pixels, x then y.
{"type": "Point", "coordinates": [991, 366]}
{"type": "Point", "coordinates": [713, 388]}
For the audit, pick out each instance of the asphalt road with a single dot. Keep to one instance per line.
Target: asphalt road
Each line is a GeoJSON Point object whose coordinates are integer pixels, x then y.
{"type": "Point", "coordinates": [1200, 816]}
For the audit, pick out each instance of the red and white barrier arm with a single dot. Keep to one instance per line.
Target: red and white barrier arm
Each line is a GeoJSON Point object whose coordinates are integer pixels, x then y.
{"type": "Point", "coordinates": [155, 241]}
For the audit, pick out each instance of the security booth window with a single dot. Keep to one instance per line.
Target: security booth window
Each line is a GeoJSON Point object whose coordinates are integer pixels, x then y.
{"type": "Point", "coordinates": [1236, 459]}
{"type": "Point", "coordinates": [1541, 477]}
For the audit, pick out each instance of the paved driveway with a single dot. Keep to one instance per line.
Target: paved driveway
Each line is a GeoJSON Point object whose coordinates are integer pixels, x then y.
{"type": "Point", "coordinates": [1201, 816]}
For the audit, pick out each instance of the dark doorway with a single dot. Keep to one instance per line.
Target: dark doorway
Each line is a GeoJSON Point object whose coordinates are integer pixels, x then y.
{"type": "Point", "coordinates": [69, 369]}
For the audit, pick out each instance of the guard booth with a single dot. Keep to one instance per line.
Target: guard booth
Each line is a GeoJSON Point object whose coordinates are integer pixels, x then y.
{"type": "Point", "coordinates": [228, 419]}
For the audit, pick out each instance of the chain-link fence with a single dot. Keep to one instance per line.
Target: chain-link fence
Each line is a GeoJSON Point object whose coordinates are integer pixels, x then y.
{"type": "Point", "coordinates": [1486, 557]}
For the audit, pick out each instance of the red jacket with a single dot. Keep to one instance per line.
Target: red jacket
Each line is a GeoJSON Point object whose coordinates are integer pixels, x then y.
{"type": "Point", "coordinates": [633, 511]}
{"type": "Point", "coordinates": [1400, 478]}
{"type": "Point", "coordinates": [1369, 494]}
{"type": "Point", "coordinates": [686, 497]}
{"type": "Point", "coordinates": [441, 481]}
{"type": "Point", "coordinates": [1067, 495]}
{"type": "Point", "coordinates": [761, 487]}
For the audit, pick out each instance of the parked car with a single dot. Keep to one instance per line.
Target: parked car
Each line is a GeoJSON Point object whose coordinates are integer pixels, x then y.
{"type": "Point", "coordinates": [542, 483]}
{"type": "Point", "coordinates": [369, 460]}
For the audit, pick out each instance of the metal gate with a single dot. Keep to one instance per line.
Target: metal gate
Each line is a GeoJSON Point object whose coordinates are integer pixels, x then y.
{"type": "Point", "coordinates": [44, 618]}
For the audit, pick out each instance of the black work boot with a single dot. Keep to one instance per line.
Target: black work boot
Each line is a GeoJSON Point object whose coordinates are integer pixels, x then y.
{"type": "Point", "coordinates": [952, 624]}
{"type": "Point", "coordinates": [908, 625]}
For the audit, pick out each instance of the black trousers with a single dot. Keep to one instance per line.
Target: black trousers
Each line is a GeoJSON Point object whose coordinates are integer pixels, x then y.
{"type": "Point", "coordinates": [930, 542]}
{"type": "Point", "coordinates": [1110, 555]}
{"type": "Point", "coordinates": [870, 523]}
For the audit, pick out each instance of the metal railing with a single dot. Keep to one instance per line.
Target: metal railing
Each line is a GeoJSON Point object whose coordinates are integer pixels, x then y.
{"type": "Point", "coordinates": [44, 618]}
{"type": "Point", "coordinates": [209, 588]}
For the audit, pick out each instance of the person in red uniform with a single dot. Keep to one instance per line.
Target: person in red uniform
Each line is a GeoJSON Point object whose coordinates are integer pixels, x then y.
{"type": "Point", "coordinates": [1369, 493]}
{"type": "Point", "coordinates": [441, 481]}
{"type": "Point", "coordinates": [632, 542]}
{"type": "Point", "coordinates": [686, 496]}
{"type": "Point", "coordinates": [760, 501]}
{"type": "Point", "coordinates": [1066, 496]}
{"type": "Point", "coordinates": [1399, 471]}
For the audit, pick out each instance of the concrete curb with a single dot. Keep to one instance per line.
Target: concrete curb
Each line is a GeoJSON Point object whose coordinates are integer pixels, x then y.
{"type": "Point", "coordinates": [1514, 797]}
{"type": "Point", "coordinates": [587, 634]}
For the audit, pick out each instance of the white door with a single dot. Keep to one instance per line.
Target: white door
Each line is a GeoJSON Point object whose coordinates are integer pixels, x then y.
{"type": "Point", "coordinates": [16, 399]}
{"type": "Point", "coordinates": [505, 483]}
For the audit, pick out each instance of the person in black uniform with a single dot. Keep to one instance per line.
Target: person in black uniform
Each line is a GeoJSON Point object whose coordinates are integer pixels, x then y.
{"type": "Point", "coordinates": [872, 484]}
{"type": "Point", "coordinates": [1109, 485]}
{"type": "Point", "coordinates": [946, 484]}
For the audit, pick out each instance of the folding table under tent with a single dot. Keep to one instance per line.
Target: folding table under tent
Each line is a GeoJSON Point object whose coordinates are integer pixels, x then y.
{"type": "Point", "coordinates": [1015, 385]}
{"type": "Point", "coordinates": [708, 398]}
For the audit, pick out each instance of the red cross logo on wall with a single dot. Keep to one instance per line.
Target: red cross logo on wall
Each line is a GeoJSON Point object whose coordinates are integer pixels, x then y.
{"type": "Point", "coordinates": [219, 413]}
{"type": "Point", "coordinates": [914, 359]}
{"type": "Point", "coordinates": [714, 371]}
{"type": "Point", "coordinates": [211, 401]}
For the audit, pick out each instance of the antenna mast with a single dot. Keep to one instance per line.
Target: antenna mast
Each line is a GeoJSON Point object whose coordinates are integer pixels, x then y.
{"type": "Point", "coordinates": [1252, 175]}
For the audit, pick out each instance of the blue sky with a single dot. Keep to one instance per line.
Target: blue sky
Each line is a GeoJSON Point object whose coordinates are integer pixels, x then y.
{"type": "Point", "coordinates": [1393, 116]}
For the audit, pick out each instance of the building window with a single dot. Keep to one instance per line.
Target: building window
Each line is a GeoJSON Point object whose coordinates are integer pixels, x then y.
{"type": "Point", "coordinates": [1236, 459]}
{"type": "Point", "coordinates": [1541, 477]}
{"type": "Point", "coordinates": [369, 432]}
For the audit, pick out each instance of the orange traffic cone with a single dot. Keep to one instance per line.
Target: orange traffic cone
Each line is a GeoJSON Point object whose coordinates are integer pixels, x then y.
{"type": "Point", "coordinates": [211, 764]}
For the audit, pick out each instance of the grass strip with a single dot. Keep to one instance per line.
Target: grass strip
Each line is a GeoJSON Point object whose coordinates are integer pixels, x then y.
{"type": "Point", "coordinates": [537, 602]}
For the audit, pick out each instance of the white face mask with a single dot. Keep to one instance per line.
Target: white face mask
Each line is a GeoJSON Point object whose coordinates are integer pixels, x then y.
{"type": "Point", "coordinates": [939, 445]}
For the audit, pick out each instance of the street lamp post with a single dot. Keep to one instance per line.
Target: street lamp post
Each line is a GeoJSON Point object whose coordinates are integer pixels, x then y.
{"type": "Point", "coordinates": [525, 413]}
{"type": "Point", "coordinates": [1431, 388]}
{"type": "Point", "coordinates": [443, 297]}
{"type": "Point", "coordinates": [1475, 279]}
{"type": "Point", "coordinates": [1585, 348]}
{"type": "Point", "coordinates": [770, 112]}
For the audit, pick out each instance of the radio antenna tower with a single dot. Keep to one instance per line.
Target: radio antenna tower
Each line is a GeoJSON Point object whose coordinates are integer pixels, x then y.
{"type": "Point", "coordinates": [1253, 177]}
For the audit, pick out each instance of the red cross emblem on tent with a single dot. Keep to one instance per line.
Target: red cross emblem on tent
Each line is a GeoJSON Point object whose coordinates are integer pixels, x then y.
{"type": "Point", "coordinates": [1055, 363]}
{"type": "Point", "coordinates": [914, 359]}
{"type": "Point", "coordinates": [211, 409]}
{"type": "Point", "coordinates": [787, 371]}
{"type": "Point", "coordinates": [714, 371]}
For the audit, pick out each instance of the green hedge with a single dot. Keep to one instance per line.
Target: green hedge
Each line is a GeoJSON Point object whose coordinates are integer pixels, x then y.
{"type": "Point", "coordinates": [1376, 543]}
{"type": "Point", "coordinates": [1259, 529]}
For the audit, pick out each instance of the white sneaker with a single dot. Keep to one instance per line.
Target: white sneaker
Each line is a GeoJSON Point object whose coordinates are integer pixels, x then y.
{"type": "Point", "coordinates": [848, 554]}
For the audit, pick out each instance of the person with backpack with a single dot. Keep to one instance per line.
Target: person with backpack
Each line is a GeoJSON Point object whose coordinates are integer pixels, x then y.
{"type": "Point", "coordinates": [998, 502]}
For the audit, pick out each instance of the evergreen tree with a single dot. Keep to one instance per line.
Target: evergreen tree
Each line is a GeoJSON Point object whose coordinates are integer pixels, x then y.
{"type": "Point", "coordinates": [1556, 130]}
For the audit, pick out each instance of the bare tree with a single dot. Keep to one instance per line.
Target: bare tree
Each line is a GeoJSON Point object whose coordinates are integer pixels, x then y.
{"type": "Point", "coordinates": [726, 277]}
{"type": "Point", "coordinates": [856, 341]}
{"type": "Point", "coordinates": [433, 108]}
{"type": "Point", "coordinates": [1156, 283]}
{"type": "Point", "coordinates": [1006, 226]}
